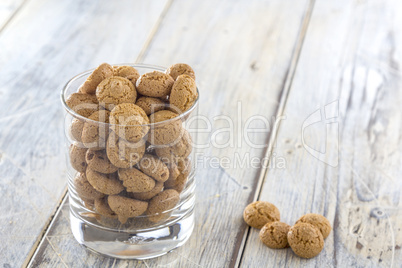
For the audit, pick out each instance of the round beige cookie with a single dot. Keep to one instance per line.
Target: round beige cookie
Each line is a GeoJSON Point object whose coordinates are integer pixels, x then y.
{"type": "Point", "coordinates": [178, 150]}
{"type": "Point", "coordinates": [135, 181]}
{"type": "Point", "coordinates": [184, 166]}
{"type": "Point", "coordinates": [129, 122]}
{"type": "Point", "coordinates": [148, 195]}
{"type": "Point", "coordinates": [124, 154]}
{"type": "Point", "coordinates": [95, 132]}
{"type": "Point", "coordinates": [98, 161]}
{"type": "Point", "coordinates": [77, 157]}
{"type": "Point", "coordinates": [126, 208]}
{"type": "Point", "coordinates": [259, 213]}
{"type": "Point", "coordinates": [305, 240]}
{"type": "Point", "coordinates": [158, 205]}
{"type": "Point", "coordinates": [128, 72]}
{"type": "Point", "coordinates": [83, 104]}
{"type": "Point", "coordinates": [76, 128]}
{"type": "Point", "coordinates": [318, 221]}
{"type": "Point", "coordinates": [155, 84]}
{"type": "Point", "coordinates": [102, 72]}
{"type": "Point", "coordinates": [115, 90]}
{"type": "Point", "coordinates": [150, 105]}
{"type": "Point", "coordinates": [84, 189]}
{"type": "Point", "coordinates": [105, 183]}
{"type": "Point", "coordinates": [162, 133]}
{"type": "Point", "coordinates": [184, 94]}
{"type": "Point", "coordinates": [102, 207]}
{"type": "Point", "coordinates": [180, 68]}
{"type": "Point", "coordinates": [177, 184]}
{"type": "Point", "coordinates": [154, 167]}
{"type": "Point", "coordinates": [275, 234]}
{"type": "Point", "coordinates": [174, 171]}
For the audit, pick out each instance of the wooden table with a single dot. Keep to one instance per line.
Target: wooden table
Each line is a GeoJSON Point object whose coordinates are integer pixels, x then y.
{"type": "Point", "coordinates": [321, 78]}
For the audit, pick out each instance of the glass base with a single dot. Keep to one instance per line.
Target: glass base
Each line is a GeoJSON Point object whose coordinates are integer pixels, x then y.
{"type": "Point", "coordinates": [132, 245]}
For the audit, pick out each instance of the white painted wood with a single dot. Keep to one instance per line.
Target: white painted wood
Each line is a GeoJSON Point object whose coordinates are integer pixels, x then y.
{"type": "Point", "coordinates": [42, 47]}
{"type": "Point", "coordinates": [349, 69]}
{"type": "Point", "coordinates": [8, 9]}
{"type": "Point", "coordinates": [241, 51]}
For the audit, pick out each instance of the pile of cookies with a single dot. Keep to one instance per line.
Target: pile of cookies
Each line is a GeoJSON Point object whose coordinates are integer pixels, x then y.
{"type": "Point", "coordinates": [306, 237]}
{"type": "Point", "coordinates": [130, 149]}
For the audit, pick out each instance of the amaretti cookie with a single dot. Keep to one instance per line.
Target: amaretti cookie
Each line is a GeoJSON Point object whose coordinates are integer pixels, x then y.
{"type": "Point", "coordinates": [150, 105]}
{"type": "Point", "coordinates": [102, 207]}
{"type": "Point", "coordinates": [177, 184]}
{"type": "Point", "coordinates": [98, 75]}
{"type": "Point", "coordinates": [96, 130]}
{"type": "Point", "coordinates": [83, 104]}
{"type": "Point", "coordinates": [178, 150]}
{"type": "Point", "coordinates": [147, 195]}
{"type": "Point", "coordinates": [318, 221]}
{"type": "Point", "coordinates": [154, 167]}
{"type": "Point", "coordinates": [160, 204]}
{"type": "Point", "coordinates": [259, 213]}
{"type": "Point", "coordinates": [77, 157]}
{"type": "Point", "coordinates": [174, 171]}
{"type": "Point", "coordinates": [275, 234]}
{"type": "Point", "coordinates": [128, 72]}
{"type": "Point", "coordinates": [135, 181]}
{"type": "Point", "coordinates": [127, 121]}
{"type": "Point", "coordinates": [76, 128]}
{"type": "Point", "coordinates": [155, 84]}
{"type": "Point", "coordinates": [184, 166]}
{"type": "Point", "coordinates": [180, 68]}
{"type": "Point", "coordinates": [126, 208]}
{"type": "Point", "coordinates": [124, 154]}
{"type": "Point", "coordinates": [305, 240]}
{"type": "Point", "coordinates": [115, 90]}
{"type": "Point", "coordinates": [105, 183]}
{"type": "Point", "coordinates": [165, 133]}
{"type": "Point", "coordinates": [183, 95]}
{"type": "Point", "coordinates": [84, 189]}
{"type": "Point", "coordinates": [98, 161]}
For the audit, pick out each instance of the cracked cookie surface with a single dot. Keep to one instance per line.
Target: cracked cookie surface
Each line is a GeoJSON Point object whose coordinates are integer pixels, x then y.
{"type": "Point", "coordinates": [318, 221]}
{"type": "Point", "coordinates": [184, 93]}
{"type": "Point", "coordinates": [305, 240]}
{"type": "Point", "coordinates": [259, 213]}
{"type": "Point", "coordinates": [115, 90]}
{"type": "Point", "coordinates": [155, 84]}
{"type": "Point", "coordinates": [275, 234]}
{"type": "Point", "coordinates": [128, 72]}
{"type": "Point", "coordinates": [180, 68]}
{"type": "Point", "coordinates": [129, 121]}
{"type": "Point", "coordinates": [102, 72]}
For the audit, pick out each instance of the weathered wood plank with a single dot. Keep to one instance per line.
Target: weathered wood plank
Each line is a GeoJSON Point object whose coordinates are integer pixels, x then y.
{"type": "Point", "coordinates": [8, 9]}
{"type": "Point", "coordinates": [348, 78]}
{"type": "Point", "coordinates": [44, 45]}
{"type": "Point", "coordinates": [241, 52]}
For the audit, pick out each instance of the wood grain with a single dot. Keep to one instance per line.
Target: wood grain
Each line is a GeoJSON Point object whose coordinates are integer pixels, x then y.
{"type": "Point", "coordinates": [8, 9]}
{"type": "Point", "coordinates": [231, 46]}
{"type": "Point", "coordinates": [43, 46]}
{"type": "Point", "coordinates": [347, 85]}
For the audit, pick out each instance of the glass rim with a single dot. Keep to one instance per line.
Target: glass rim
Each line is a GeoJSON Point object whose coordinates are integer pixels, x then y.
{"type": "Point", "coordinates": [181, 116]}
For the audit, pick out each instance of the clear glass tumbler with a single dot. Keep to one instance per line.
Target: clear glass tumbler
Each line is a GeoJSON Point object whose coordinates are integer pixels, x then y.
{"type": "Point", "coordinates": [106, 164]}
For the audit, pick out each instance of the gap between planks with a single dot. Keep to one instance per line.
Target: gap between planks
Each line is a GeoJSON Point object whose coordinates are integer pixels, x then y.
{"type": "Point", "coordinates": [236, 262]}
{"type": "Point", "coordinates": [63, 199]}
{"type": "Point", "coordinates": [16, 11]}
{"type": "Point", "coordinates": [153, 32]}
{"type": "Point", "coordinates": [45, 230]}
